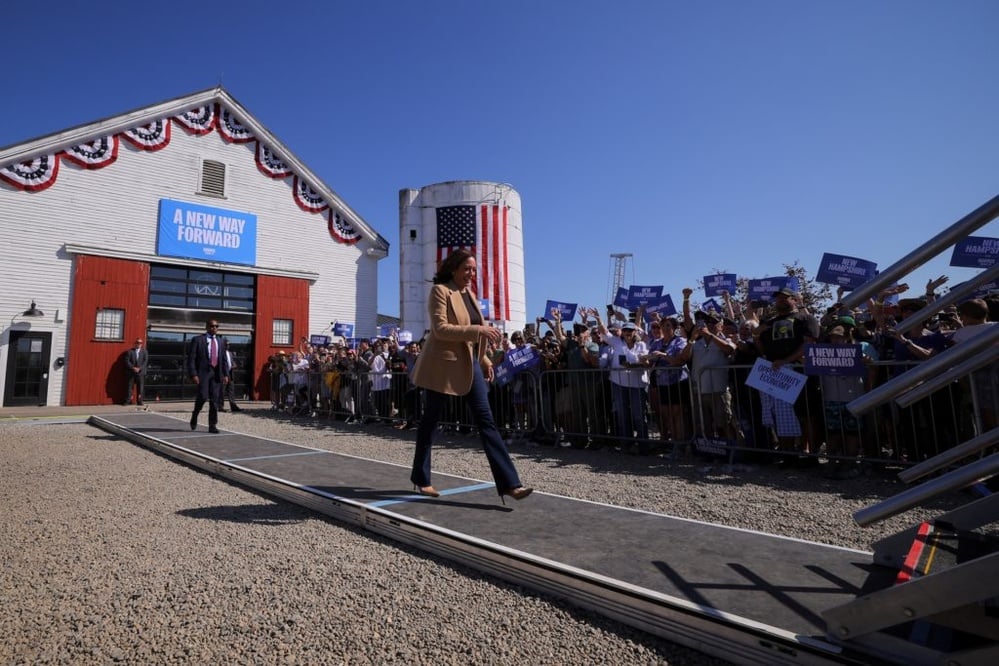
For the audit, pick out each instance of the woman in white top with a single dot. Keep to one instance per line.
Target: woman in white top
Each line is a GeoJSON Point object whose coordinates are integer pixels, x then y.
{"type": "Point", "coordinates": [629, 379]}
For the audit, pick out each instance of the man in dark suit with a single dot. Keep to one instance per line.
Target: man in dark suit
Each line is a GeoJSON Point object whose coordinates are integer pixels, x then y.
{"type": "Point", "coordinates": [207, 366]}
{"type": "Point", "coordinates": [136, 364]}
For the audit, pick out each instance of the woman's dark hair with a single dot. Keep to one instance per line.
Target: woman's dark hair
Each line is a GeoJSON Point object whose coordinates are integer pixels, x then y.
{"type": "Point", "coordinates": [447, 268]}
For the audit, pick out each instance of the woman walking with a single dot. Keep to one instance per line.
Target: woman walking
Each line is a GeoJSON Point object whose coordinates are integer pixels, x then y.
{"type": "Point", "coordinates": [453, 361]}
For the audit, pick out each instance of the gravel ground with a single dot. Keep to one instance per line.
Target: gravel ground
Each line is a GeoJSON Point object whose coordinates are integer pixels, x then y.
{"type": "Point", "coordinates": [114, 554]}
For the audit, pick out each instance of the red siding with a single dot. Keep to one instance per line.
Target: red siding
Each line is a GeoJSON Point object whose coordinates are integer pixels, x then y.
{"type": "Point", "coordinates": [277, 298]}
{"type": "Point", "coordinates": [95, 373]}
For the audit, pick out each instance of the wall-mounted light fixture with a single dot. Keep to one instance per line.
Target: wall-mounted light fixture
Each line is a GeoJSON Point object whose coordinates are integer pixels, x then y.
{"type": "Point", "coordinates": [33, 311]}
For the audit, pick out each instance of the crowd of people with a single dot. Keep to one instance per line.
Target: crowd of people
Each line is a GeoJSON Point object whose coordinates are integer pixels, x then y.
{"type": "Point", "coordinates": [647, 384]}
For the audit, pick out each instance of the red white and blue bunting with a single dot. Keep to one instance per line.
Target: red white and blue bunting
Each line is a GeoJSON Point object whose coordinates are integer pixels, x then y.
{"type": "Point", "coordinates": [307, 198]}
{"type": "Point", "coordinates": [153, 136]}
{"type": "Point", "coordinates": [40, 173]}
{"type": "Point", "coordinates": [198, 121]}
{"type": "Point", "coordinates": [95, 154]}
{"type": "Point", "coordinates": [270, 164]}
{"type": "Point", "coordinates": [340, 230]}
{"type": "Point", "coordinates": [34, 175]}
{"type": "Point", "coordinates": [232, 129]}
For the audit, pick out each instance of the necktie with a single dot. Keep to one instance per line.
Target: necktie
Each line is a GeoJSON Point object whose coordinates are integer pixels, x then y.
{"type": "Point", "coordinates": [214, 353]}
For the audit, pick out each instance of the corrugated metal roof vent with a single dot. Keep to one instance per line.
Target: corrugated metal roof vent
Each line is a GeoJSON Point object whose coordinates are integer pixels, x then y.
{"type": "Point", "coordinates": [212, 178]}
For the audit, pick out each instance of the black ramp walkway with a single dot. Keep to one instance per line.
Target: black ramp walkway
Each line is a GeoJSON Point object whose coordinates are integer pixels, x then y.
{"type": "Point", "coordinates": [745, 596]}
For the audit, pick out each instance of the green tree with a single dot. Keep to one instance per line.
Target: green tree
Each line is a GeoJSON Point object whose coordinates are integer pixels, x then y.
{"type": "Point", "coordinates": [816, 296]}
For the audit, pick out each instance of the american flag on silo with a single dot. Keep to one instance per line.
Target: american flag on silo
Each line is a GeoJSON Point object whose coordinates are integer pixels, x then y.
{"type": "Point", "coordinates": [456, 230]}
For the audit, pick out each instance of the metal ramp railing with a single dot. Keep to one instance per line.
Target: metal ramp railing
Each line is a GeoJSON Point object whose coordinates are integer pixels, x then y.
{"type": "Point", "coordinates": [944, 607]}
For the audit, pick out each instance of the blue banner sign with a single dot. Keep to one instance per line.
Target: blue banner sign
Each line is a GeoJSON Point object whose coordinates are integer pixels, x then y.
{"type": "Point", "coordinates": [621, 298]}
{"type": "Point", "coordinates": [194, 231]}
{"type": "Point", "coordinates": [638, 296]}
{"type": "Point", "coordinates": [319, 340]}
{"type": "Point", "coordinates": [711, 305]}
{"type": "Point", "coordinates": [566, 310]}
{"type": "Point", "coordinates": [846, 272]}
{"type": "Point", "coordinates": [344, 330]}
{"type": "Point", "coordinates": [664, 306]}
{"type": "Point", "coordinates": [975, 252]}
{"type": "Point", "coordinates": [714, 285]}
{"type": "Point", "coordinates": [830, 359]}
{"type": "Point", "coordinates": [404, 336]}
{"type": "Point", "coordinates": [764, 290]}
{"type": "Point", "coordinates": [517, 360]}
{"type": "Point", "coordinates": [484, 306]}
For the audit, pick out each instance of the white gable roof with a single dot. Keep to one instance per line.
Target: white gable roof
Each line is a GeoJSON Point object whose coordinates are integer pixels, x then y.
{"type": "Point", "coordinates": [75, 136]}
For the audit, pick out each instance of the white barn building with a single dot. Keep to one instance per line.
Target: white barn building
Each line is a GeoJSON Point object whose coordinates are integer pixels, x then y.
{"type": "Point", "coordinates": [144, 225]}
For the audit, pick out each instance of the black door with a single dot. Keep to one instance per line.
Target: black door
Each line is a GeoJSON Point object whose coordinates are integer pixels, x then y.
{"type": "Point", "coordinates": [27, 369]}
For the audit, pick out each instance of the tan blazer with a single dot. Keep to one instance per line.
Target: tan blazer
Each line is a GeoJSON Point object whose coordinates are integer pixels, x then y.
{"type": "Point", "coordinates": [445, 362]}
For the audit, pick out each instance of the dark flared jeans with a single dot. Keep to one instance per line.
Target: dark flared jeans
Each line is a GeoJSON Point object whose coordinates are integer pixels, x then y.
{"type": "Point", "coordinates": [477, 399]}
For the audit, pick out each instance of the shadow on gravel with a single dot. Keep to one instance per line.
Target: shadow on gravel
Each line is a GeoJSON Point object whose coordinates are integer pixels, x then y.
{"type": "Point", "coordinates": [256, 514]}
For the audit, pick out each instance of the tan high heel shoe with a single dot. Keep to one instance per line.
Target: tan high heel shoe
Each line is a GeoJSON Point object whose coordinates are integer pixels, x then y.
{"type": "Point", "coordinates": [426, 491]}
{"type": "Point", "coordinates": [518, 493]}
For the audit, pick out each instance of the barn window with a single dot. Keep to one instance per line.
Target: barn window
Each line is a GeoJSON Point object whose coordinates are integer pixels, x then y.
{"type": "Point", "coordinates": [110, 324]}
{"type": "Point", "coordinates": [282, 332]}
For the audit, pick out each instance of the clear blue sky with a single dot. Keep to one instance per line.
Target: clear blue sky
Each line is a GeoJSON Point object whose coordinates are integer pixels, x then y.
{"type": "Point", "coordinates": [734, 134]}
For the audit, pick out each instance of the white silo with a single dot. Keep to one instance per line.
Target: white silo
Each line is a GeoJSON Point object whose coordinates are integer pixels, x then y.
{"type": "Point", "coordinates": [483, 216]}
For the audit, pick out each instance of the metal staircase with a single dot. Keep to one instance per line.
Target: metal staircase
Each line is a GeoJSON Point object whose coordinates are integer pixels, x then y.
{"type": "Point", "coordinates": [941, 605]}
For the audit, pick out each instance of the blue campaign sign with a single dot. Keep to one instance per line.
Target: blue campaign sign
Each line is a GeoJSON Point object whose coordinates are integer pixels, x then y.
{"type": "Point", "coordinates": [987, 289]}
{"type": "Point", "coordinates": [714, 285]}
{"type": "Point", "coordinates": [344, 330]}
{"type": "Point", "coordinates": [319, 340]}
{"type": "Point", "coordinates": [404, 336]}
{"type": "Point", "coordinates": [976, 252]}
{"type": "Point", "coordinates": [664, 306]}
{"type": "Point", "coordinates": [566, 310]}
{"type": "Point", "coordinates": [830, 359]}
{"type": "Point", "coordinates": [711, 305]}
{"type": "Point", "coordinates": [502, 374]}
{"type": "Point", "coordinates": [484, 306]}
{"type": "Point", "coordinates": [194, 231]}
{"type": "Point", "coordinates": [621, 298]}
{"type": "Point", "coordinates": [638, 296]}
{"type": "Point", "coordinates": [846, 272]}
{"type": "Point", "coordinates": [517, 360]}
{"type": "Point", "coordinates": [523, 358]}
{"type": "Point", "coordinates": [983, 290]}
{"type": "Point", "coordinates": [386, 330]}
{"type": "Point", "coordinates": [764, 289]}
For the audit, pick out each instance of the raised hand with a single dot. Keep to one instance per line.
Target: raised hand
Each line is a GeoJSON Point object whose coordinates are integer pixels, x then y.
{"type": "Point", "coordinates": [932, 285]}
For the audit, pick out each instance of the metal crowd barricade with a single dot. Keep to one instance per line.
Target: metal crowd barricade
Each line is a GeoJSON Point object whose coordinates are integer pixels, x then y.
{"type": "Point", "coordinates": [888, 434]}
{"type": "Point", "coordinates": [574, 407]}
{"type": "Point", "coordinates": [517, 406]}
